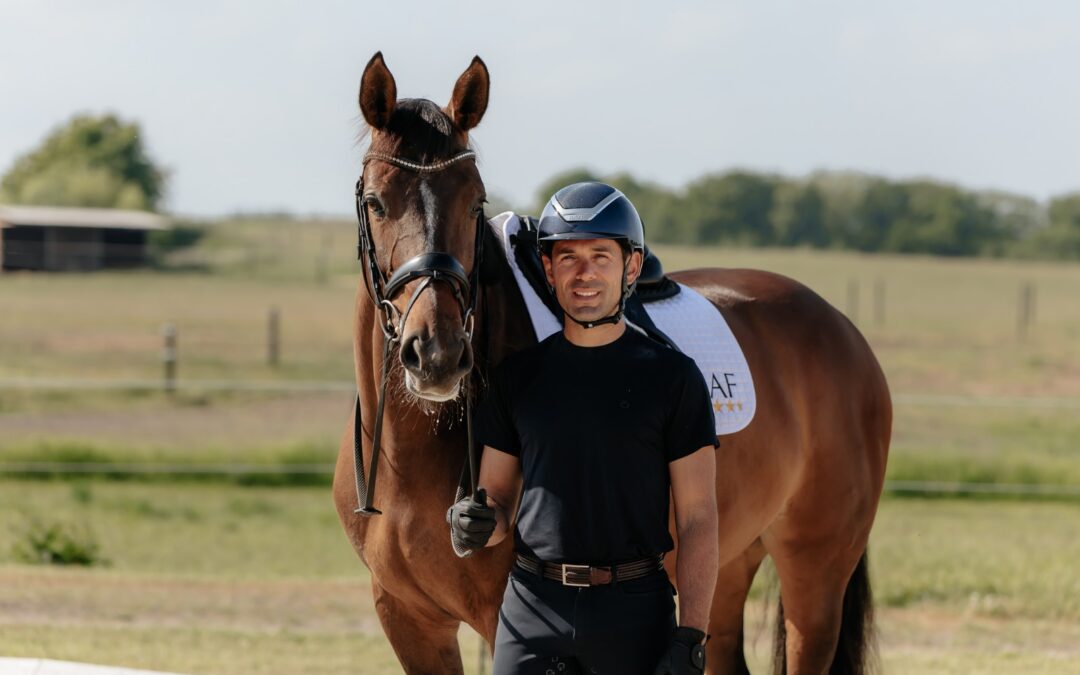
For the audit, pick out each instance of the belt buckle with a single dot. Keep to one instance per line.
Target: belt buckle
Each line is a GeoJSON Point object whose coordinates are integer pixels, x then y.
{"type": "Point", "coordinates": [580, 569]}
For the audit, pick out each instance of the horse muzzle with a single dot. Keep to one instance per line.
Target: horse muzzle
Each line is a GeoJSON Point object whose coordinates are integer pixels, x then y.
{"type": "Point", "coordinates": [434, 368]}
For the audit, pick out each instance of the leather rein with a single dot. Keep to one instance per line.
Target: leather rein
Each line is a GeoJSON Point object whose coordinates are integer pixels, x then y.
{"type": "Point", "coordinates": [431, 267]}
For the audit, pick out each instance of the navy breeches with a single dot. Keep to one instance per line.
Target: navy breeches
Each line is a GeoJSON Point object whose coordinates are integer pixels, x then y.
{"type": "Point", "coordinates": [546, 628]}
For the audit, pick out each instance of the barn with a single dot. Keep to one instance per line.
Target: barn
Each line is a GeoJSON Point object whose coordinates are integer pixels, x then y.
{"type": "Point", "coordinates": [73, 239]}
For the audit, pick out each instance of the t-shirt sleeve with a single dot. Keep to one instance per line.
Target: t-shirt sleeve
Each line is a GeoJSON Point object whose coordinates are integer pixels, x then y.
{"type": "Point", "coordinates": [691, 425]}
{"type": "Point", "coordinates": [492, 422]}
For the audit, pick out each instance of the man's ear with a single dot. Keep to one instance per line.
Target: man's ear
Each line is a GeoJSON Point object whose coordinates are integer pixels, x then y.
{"type": "Point", "coordinates": [546, 259]}
{"type": "Point", "coordinates": [633, 267]}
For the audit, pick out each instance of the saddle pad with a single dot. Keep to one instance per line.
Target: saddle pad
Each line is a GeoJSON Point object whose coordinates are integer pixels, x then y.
{"type": "Point", "coordinates": [690, 320]}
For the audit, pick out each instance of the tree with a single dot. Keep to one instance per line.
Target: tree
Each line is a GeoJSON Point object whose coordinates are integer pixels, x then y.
{"type": "Point", "coordinates": [842, 191]}
{"type": "Point", "coordinates": [90, 161]}
{"type": "Point", "coordinates": [558, 182]}
{"type": "Point", "coordinates": [882, 204]}
{"type": "Point", "coordinates": [1061, 238]}
{"type": "Point", "coordinates": [1065, 210]}
{"type": "Point", "coordinates": [655, 204]}
{"type": "Point", "coordinates": [798, 215]}
{"type": "Point", "coordinates": [1016, 218]}
{"type": "Point", "coordinates": [732, 208]}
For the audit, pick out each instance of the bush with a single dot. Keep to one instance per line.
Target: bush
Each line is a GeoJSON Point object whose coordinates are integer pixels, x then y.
{"type": "Point", "coordinates": [57, 544]}
{"type": "Point", "coordinates": [180, 235]}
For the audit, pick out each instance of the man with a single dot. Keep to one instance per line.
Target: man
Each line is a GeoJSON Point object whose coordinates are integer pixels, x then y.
{"type": "Point", "coordinates": [590, 430]}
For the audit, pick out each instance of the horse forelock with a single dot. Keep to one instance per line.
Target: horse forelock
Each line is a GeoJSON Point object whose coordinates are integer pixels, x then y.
{"type": "Point", "coordinates": [419, 131]}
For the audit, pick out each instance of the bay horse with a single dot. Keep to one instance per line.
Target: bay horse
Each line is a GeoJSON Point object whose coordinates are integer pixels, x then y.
{"type": "Point", "coordinates": [801, 483]}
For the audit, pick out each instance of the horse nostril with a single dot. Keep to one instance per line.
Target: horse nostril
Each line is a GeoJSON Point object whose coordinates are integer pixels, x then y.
{"type": "Point", "coordinates": [465, 363]}
{"type": "Point", "coordinates": [410, 353]}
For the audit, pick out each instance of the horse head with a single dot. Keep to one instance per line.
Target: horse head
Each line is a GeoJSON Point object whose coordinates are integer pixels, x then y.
{"type": "Point", "coordinates": [420, 199]}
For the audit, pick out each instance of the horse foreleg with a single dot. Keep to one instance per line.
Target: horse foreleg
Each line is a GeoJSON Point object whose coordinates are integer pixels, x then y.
{"type": "Point", "coordinates": [725, 654]}
{"type": "Point", "coordinates": [424, 640]}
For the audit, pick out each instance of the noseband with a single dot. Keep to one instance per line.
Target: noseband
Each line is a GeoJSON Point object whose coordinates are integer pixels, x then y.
{"type": "Point", "coordinates": [431, 267]}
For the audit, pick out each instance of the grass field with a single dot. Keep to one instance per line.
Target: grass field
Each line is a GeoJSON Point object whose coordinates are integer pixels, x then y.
{"type": "Point", "coordinates": [949, 325]}
{"type": "Point", "coordinates": [212, 578]}
{"type": "Point", "coordinates": [213, 575]}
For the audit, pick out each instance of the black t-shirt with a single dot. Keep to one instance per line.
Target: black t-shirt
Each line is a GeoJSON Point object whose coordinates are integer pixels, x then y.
{"type": "Point", "coordinates": [595, 429]}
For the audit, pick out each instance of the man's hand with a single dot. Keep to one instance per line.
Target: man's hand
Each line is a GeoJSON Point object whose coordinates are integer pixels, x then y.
{"type": "Point", "coordinates": [471, 523]}
{"type": "Point", "coordinates": [685, 654]}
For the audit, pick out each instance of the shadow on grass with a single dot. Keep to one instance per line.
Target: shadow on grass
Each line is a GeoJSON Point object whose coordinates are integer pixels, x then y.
{"type": "Point", "coordinates": [303, 464]}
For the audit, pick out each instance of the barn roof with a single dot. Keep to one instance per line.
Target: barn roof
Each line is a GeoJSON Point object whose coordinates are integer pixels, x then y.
{"type": "Point", "coordinates": [56, 216]}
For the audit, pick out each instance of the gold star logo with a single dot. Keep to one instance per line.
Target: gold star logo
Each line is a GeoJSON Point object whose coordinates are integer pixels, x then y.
{"type": "Point", "coordinates": [717, 407]}
{"type": "Point", "coordinates": [731, 406]}
{"type": "Point", "coordinates": [740, 405]}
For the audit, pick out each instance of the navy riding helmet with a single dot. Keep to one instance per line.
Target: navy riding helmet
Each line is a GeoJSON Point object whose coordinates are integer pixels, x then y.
{"type": "Point", "coordinates": [592, 211]}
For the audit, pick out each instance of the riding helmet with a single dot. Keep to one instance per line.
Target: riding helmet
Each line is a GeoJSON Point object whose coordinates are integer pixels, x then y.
{"type": "Point", "coordinates": [590, 211]}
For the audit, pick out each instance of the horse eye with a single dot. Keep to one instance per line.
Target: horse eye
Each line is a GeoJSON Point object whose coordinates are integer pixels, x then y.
{"type": "Point", "coordinates": [373, 203]}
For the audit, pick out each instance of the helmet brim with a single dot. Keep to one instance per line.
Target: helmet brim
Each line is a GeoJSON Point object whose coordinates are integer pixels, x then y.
{"type": "Point", "coordinates": [564, 236]}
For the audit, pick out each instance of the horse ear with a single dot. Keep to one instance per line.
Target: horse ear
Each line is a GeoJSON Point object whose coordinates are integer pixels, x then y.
{"type": "Point", "coordinates": [378, 93]}
{"type": "Point", "coordinates": [470, 98]}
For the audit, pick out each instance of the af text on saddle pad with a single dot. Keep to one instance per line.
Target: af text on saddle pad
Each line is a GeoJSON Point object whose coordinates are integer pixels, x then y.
{"type": "Point", "coordinates": [690, 320]}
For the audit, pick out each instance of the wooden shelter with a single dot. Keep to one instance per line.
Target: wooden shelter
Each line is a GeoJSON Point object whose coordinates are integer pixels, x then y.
{"type": "Point", "coordinates": [73, 239]}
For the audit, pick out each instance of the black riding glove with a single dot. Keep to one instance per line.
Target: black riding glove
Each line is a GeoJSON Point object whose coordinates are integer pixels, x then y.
{"type": "Point", "coordinates": [685, 654]}
{"type": "Point", "coordinates": [471, 523]}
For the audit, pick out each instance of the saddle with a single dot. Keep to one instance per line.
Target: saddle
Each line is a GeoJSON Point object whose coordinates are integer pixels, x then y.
{"type": "Point", "coordinates": [652, 285]}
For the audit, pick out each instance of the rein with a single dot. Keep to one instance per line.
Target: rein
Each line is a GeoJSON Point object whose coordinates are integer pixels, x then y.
{"type": "Point", "coordinates": [431, 266]}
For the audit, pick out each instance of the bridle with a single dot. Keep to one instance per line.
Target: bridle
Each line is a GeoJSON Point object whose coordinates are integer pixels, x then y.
{"type": "Point", "coordinates": [431, 266]}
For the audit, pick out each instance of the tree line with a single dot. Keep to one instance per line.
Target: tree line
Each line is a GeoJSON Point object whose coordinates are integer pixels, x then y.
{"type": "Point", "coordinates": [847, 210]}
{"type": "Point", "coordinates": [101, 161]}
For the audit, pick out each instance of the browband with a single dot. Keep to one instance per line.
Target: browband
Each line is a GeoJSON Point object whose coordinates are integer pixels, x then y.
{"type": "Point", "coordinates": [417, 167]}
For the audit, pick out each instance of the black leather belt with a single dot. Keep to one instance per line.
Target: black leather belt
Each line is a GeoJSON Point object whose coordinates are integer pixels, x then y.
{"type": "Point", "coordinates": [590, 575]}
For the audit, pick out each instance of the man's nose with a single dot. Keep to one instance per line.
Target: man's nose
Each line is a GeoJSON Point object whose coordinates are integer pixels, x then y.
{"type": "Point", "coordinates": [586, 270]}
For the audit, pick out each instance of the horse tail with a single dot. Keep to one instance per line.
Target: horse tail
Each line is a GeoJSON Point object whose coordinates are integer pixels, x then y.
{"type": "Point", "coordinates": [855, 648]}
{"type": "Point", "coordinates": [779, 661]}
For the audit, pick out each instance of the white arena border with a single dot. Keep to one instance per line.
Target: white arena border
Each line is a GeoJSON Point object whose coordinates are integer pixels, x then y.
{"type": "Point", "coordinates": [12, 666]}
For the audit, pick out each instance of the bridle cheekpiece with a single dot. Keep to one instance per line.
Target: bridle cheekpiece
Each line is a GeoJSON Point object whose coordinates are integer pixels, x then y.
{"type": "Point", "coordinates": [430, 266]}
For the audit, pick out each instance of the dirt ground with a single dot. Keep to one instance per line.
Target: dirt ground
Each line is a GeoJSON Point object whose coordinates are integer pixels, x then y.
{"type": "Point", "coordinates": [42, 610]}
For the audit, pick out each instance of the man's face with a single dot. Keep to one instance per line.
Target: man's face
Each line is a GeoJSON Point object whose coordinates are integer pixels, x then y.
{"type": "Point", "coordinates": [587, 276]}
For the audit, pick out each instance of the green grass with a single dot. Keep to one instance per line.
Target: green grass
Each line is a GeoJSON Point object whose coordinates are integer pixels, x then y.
{"type": "Point", "coordinates": [217, 578]}
{"type": "Point", "coordinates": [191, 530]}
{"type": "Point", "coordinates": [986, 445]}
{"type": "Point", "coordinates": [997, 559]}
{"type": "Point", "coordinates": [300, 463]}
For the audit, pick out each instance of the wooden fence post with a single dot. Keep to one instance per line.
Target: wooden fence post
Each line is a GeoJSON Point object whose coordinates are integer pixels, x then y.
{"type": "Point", "coordinates": [879, 303]}
{"type": "Point", "coordinates": [1025, 313]}
{"type": "Point", "coordinates": [322, 261]}
{"type": "Point", "coordinates": [170, 355]}
{"type": "Point", "coordinates": [853, 300]}
{"type": "Point", "coordinates": [273, 337]}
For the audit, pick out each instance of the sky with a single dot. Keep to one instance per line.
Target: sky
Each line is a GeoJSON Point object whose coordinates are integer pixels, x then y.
{"type": "Point", "coordinates": [251, 106]}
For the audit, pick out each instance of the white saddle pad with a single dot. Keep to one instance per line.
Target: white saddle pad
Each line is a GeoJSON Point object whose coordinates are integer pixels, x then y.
{"type": "Point", "coordinates": [690, 320]}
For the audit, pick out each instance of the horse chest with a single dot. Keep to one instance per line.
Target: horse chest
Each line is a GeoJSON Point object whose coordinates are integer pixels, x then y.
{"type": "Point", "coordinates": [406, 546]}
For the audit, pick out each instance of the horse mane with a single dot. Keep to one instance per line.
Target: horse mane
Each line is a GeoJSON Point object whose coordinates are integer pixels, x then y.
{"type": "Point", "coordinates": [420, 131]}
